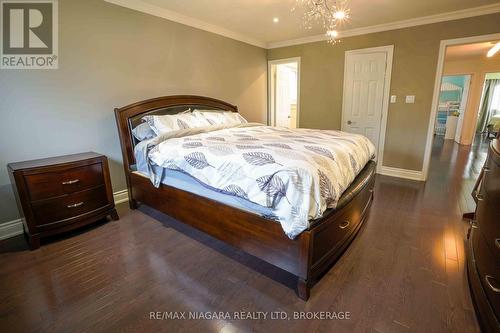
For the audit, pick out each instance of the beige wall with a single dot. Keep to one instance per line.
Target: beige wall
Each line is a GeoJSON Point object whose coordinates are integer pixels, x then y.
{"type": "Point", "coordinates": [414, 68]}
{"type": "Point", "coordinates": [111, 56]}
{"type": "Point", "coordinates": [478, 67]}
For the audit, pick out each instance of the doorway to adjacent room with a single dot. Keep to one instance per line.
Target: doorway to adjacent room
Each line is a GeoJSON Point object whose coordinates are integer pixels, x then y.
{"type": "Point", "coordinates": [458, 105]}
{"type": "Point", "coordinates": [284, 94]}
{"type": "Point", "coordinates": [453, 98]}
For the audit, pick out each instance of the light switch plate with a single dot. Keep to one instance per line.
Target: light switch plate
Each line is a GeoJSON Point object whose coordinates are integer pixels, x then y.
{"type": "Point", "coordinates": [393, 99]}
{"type": "Point", "coordinates": [410, 99]}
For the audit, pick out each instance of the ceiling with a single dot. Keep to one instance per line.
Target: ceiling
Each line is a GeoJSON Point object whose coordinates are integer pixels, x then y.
{"type": "Point", "coordinates": [468, 51]}
{"type": "Point", "coordinates": [252, 20]}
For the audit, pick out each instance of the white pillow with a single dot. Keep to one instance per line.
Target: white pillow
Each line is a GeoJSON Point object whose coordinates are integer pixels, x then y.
{"type": "Point", "coordinates": [216, 117]}
{"type": "Point", "coordinates": [167, 123]}
{"type": "Point", "coordinates": [143, 132]}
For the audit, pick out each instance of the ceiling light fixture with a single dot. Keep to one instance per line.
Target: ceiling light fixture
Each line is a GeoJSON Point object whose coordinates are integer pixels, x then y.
{"type": "Point", "coordinates": [340, 15]}
{"type": "Point", "coordinates": [276, 20]}
{"type": "Point", "coordinates": [332, 33]}
{"type": "Point", "coordinates": [328, 13]}
{"type": "Point", "coordinates": [493, 50]}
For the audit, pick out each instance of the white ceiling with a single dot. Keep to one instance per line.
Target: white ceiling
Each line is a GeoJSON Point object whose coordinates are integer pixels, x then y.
{"type": "Point", "coordinates": [252, 20]}
{"type": "Point", "coordinates": [476, 50]}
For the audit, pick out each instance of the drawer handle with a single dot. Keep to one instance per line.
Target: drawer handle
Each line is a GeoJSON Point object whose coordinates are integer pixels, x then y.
{"type": "Point", "coordinates": [344, 224]}
{"type": "Point", "coordinates": [78, 204]}
{"type": "Point", "coordinates": [497, 242]}
{"type": "Point", "coordinates": [479, 197]}
{"type": "Point", "coordinates": [69, 182]}
{"type": "Point", "coordinates": [488, 279]}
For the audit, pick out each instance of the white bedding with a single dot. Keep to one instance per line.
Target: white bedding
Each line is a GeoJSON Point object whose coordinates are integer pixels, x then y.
{"type": "Point", "coordinates": [298, 173]}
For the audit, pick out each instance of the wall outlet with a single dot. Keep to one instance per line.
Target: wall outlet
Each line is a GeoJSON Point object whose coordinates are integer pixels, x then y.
{"type": "Point", "coordinates": [393, 99]}
{"type": "Point", "coordinates": [410, 99]}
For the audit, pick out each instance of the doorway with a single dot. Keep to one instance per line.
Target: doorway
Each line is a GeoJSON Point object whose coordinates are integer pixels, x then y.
{"type": "Point", "coordinates": [453, 97]}
{"type": "Point", "coordinates": [459, 56]}
{"type": "Point", "coordinates": [284, 92]}
{"type": "Point", "coordinates": [367, 75]}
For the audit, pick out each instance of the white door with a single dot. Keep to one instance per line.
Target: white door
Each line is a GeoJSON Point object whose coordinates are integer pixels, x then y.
{"type": "Point", "coordinates": [463, 106]}
{"type": "Point", "coordinates": [364, 94]}
{"type": "Point", "coordinates": [283, 110]}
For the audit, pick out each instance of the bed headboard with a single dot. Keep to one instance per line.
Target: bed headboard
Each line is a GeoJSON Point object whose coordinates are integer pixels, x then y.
{"type": "Point", "coordinates": [129, 116]}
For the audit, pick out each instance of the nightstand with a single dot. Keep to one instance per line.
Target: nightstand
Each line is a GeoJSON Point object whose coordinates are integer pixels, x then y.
{"type": "Point", "coordinates": [61, 193]}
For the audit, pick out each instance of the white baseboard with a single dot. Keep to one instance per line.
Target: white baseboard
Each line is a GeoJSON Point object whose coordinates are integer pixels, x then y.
{"type": "Point", "coordinates": [401, 173]}
{"type": "Point", "coordinates": [15, 227]}
{"type": "Point", "coordinates": [120, 196]}
{"type": "Point", "coordinates": [11, 229]}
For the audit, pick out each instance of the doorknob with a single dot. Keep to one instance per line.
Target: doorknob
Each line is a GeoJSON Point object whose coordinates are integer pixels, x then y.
{"type": "Point", "coordinates": [349, 122]}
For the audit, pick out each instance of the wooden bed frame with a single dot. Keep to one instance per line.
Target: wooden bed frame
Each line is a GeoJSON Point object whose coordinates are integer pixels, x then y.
{"type": "Point", "coordinates": [308, 256]}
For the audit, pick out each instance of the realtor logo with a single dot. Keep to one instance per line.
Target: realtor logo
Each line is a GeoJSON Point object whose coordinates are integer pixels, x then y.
{"type": "Point", "coordinates": [29, 34]}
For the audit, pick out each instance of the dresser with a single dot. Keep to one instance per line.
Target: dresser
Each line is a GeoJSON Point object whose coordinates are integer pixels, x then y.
{"type": "Point", "coordinates": [483, 259]}
{"type": "Point", "coordinates": [61, 193]}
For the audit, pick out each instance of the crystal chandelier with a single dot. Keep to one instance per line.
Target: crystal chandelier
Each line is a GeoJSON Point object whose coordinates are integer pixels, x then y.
{"type": "Point", "coordinates": [329, 13]}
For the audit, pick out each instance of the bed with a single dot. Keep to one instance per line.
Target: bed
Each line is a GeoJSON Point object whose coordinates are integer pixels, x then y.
{"type": "Point", "coordinates": [307, 252]}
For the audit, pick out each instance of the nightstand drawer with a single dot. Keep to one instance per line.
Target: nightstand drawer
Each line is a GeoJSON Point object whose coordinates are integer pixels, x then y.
{"type": "Point", "coordinates": [52, 184]}
{"type": "Point", "coordinates": [69, 206]}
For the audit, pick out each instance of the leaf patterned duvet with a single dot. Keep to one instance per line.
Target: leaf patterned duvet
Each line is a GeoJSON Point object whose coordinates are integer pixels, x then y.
{"type": "Point", "coordinates": [298, 173]}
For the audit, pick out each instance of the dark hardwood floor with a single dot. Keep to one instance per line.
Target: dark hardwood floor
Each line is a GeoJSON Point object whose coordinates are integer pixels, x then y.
{"type": "Point", "coordinates": [404, 272]}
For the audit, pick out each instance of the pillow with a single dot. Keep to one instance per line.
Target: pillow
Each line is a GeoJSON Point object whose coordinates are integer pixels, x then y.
{"type": "Point", "coordinates": [168, 123]}
{"type": "Point", "coordinates": [143, 132]}
{"type": "Point", "coordinates": [219, 117]}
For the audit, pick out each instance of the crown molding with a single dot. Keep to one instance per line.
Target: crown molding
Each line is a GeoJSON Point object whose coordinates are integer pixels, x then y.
{"type": "Point", "coordinates": [147, 8]}
{"type": "Point", "coordinates": [449, 16]}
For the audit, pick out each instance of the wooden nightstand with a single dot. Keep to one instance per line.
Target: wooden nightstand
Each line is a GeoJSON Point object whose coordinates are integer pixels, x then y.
{"type": "Point", "coordinates": [62, 193]}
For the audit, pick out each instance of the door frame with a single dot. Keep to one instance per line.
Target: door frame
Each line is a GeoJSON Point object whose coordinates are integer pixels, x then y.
{"type": "Point", "coordinates": [389, 50]}
{"type": "Point", "coordinates": [270, 89]}
{"type": "Point", "coordinates": [437, 87]}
